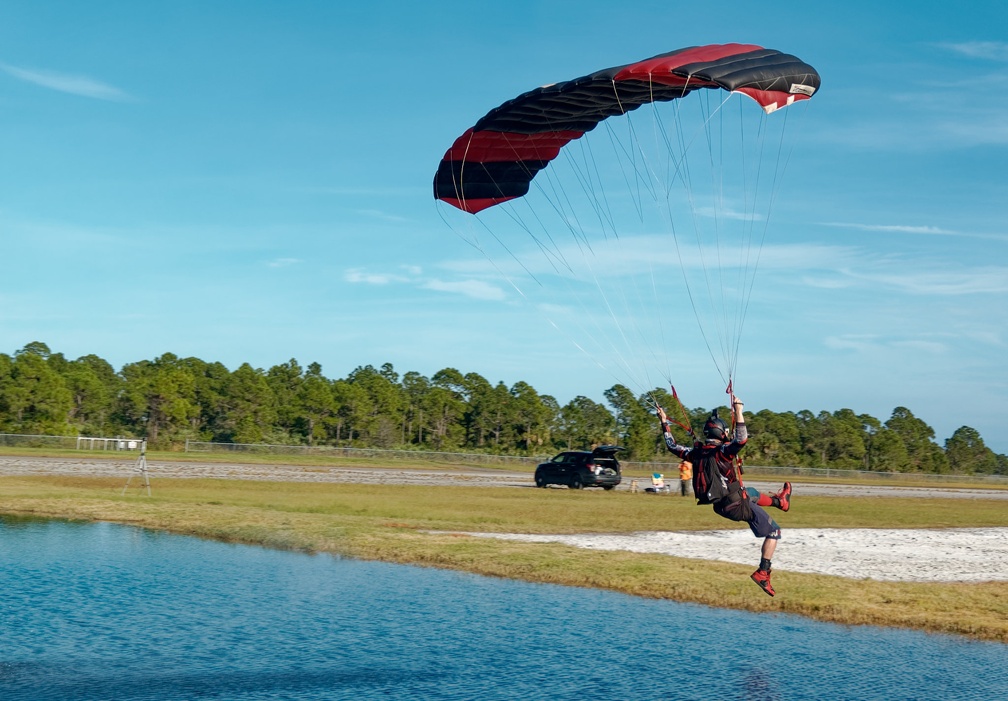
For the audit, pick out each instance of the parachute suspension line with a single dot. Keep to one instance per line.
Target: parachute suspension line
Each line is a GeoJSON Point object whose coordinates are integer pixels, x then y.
{"type": "Point", "coordinates": [626, 323]}
{"type": "Point", "coordinates": [749, 215]}
{"type": "Point", "coordinates": [716, 313]}
{"type": "Point", "coordinates": [715, 155]}
{"type": "Point", "coordinates": [748, 262]}
{"type": "Point", "coordinates": [592, 185]}
{"type": "Point", "coordinates": [682, 171]}
{"type": "Point", "coordinates": [633, 153]}
{"type": "Point", "coordinates": [474, 242]}
{"type": "Point", "coordinates": [556, 200]}
{"type": "Point", "coordinates": [660, 137]}
{"type": "Point", "coordinates": [679, 169]}
{"type": "Point", "coordinates": [778, 173]}
{"type": "Point", "coordinates": [557, 203]}
{"type": "Point", "coordinates": [552, 252]}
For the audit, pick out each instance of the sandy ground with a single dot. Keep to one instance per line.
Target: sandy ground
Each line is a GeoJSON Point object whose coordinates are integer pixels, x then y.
{"type": "Point", "coordinates": [949, 555]}
{"type": "Point", "coordinates": [966, 554]}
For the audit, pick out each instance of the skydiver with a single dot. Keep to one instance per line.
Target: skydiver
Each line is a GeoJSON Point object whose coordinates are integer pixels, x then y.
{"type": "Point", "coordinates": [735, 502]}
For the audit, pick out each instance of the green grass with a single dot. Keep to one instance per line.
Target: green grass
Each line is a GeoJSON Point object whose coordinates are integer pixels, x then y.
{"type": "Point", "coordinates": [420, 525]}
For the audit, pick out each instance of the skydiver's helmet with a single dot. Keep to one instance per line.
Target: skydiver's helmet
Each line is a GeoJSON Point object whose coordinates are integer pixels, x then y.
{"type": "Point", "coordinates": [715, 428]}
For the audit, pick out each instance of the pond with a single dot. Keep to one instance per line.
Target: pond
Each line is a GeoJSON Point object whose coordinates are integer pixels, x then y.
{"type": "Point", "coordinates": [101, 611]}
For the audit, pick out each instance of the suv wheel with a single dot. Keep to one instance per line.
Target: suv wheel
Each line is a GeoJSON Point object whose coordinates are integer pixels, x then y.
{"type": "Point", "coordinates": [540, 480]}
{"type": "Point", "coordinates": [575, 482]}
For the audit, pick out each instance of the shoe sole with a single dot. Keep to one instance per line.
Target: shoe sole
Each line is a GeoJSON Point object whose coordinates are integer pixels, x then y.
{"type": "Point", "coordinates": [769, 592]}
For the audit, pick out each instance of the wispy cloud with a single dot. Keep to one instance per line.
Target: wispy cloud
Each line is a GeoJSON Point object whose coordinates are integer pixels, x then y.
{"type": "Point", "coordinates": [991, 50]}
{"type": "Point", "coordinates": [476, 289]}
{"type": "Point", "coordinates": [66, 83]}
{"type": "Point", "coordinates": [892, 228]}
{"type": "Point", "coordinates": [871, 342]}
{"type": "Point", "coordinates": [981, 280]}
{"type": "Point", "coordinates": [912, 229]}
{"type": "Point", "coordinates": [412, 275]}
{"type": "Point", "coordinates": [382, 216]}
{"type": "Point", "coordinates": [357, 276]}
{"type": "Point", "coordinates": [283, 262]}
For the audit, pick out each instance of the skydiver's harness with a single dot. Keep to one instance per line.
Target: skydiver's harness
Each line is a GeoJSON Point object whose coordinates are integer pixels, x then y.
{"type": "Point", "coordinates": [710, 486]}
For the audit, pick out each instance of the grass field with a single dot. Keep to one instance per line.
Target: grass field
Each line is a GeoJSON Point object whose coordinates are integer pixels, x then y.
{"type": "Point", "coordinates": [416, 525]}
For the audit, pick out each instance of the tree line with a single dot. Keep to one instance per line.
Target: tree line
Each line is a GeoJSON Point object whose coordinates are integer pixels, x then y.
{"type": "Point", "coordinates": [170, 400]}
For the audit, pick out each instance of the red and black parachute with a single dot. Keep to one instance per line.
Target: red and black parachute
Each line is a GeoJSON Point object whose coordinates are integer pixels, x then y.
{"type": "Point", "coordinates": [495, 160]}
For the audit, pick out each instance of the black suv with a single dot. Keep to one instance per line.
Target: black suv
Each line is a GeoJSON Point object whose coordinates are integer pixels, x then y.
{"type": "Point", "coordinates": [582, 468]}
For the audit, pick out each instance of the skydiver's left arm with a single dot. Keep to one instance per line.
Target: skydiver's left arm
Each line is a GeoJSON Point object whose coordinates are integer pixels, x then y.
{"type": "Point", "coordinates": [670, 441]}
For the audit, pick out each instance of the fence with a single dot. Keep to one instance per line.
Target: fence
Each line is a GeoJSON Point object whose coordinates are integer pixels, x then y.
{"type": "Point", "coordinates": [365, 453]}
{"type": "Point", "coordinates": [670, 469]}
{"type": "Point", "coordinates": [20, 440]}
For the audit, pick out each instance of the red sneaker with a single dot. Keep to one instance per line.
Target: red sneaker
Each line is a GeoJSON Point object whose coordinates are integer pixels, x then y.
{"type": "Point", "coordinates": [762, 578]}
{"type": "Point", "coordinates": [784, 497]}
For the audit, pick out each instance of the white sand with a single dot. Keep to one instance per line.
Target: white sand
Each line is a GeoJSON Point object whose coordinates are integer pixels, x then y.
{"type": "Point", "coordinates": [950, 555]}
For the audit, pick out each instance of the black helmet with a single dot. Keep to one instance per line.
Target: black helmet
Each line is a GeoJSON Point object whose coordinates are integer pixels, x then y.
{"type": "Point", "coordinates": [715, 428]}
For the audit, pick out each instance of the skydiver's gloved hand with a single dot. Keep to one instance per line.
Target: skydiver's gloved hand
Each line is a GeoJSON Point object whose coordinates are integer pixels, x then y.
{"type": "Point", "coordinates": [663, 417]}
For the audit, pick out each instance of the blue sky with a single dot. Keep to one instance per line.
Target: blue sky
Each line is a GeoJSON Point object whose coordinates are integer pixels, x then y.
{"type": "Point", "coordinates": [250, 182]}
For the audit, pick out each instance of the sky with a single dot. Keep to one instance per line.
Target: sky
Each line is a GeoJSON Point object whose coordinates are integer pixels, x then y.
{"type": "Point", "coordinates": [251, 182]}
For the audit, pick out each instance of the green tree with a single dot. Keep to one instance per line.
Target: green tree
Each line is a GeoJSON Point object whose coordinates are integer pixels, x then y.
{"type": "Point", "coordinates": [94, 386]}
{"type": "Point", "coordinates": [1001, 468]}
{"type": "Point", "coordinates": [380, 425]}
{"type": "Point", "coordinates": [251, 409]}
{"type": "Point", "coordinates": [888, 452]}
{"type": "Point", "coordinates": [967, 453]}
{"type": "Point", "coordinates": [353, 407]}
{"type": "Point", "coordinates": [316, 404]}
{"type": "Point", "coordinates": [210, 381]}
{"type": "Point", "coordinates": [444, 409]}
{"type": "Point", "coordinates": [38, 399]}
{"type": "Point", "coordinates": [923, 453]}
{"type": "Point", "coordinates": [843, 442]}
{"type": "Point", "coordinates": [285, 382]}
{"type": "Point", "coordinates": [635, 423]}
{"type": "Point", "coordinates": [583, 423]}
{"type": "Point", "coordinates": [482, 414]}
{"type": "Point", "coordinates": [6, 381]}
{"type": "Point", "coordinates": [159, 399]}
{"type": "Point", "coordinates": [774, 438]}
{"type": "Point", "coordinates": [415, 388]}
{"type": "Point", "coordinates": [532, 417]}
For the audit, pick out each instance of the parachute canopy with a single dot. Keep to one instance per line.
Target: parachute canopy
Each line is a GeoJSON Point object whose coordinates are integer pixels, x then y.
{"type": "Point", "coordinates": [495, 160]}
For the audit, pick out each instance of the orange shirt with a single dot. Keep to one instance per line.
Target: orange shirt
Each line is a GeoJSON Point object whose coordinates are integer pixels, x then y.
{"type": "Point", "coordinates": [685, 470]}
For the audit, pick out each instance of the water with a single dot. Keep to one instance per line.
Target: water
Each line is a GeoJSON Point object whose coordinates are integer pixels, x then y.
{"type": "Point", "coordinates": [103, 612]}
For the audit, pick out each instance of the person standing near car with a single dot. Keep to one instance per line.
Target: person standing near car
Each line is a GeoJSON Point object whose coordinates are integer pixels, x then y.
{"type": "Point", "coordinates": [685, 476]}
{"type": "Point", "coordinates": [717, 480]}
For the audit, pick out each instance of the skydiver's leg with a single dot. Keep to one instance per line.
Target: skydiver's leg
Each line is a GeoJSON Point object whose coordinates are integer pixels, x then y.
{"type": "Point", "coordinates": [780, 500]}
{"type": "Point", "coordinates": [764, 527]}
{"type": "Point", "coordinates": [769, 545]}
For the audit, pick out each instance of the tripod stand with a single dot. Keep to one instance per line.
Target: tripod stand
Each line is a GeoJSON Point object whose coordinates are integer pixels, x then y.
{"type": "Point", "coordinates": [141, 467]}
